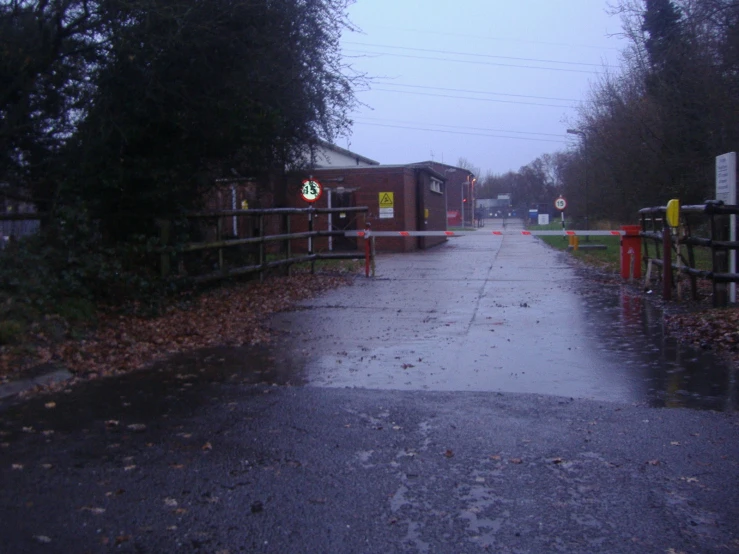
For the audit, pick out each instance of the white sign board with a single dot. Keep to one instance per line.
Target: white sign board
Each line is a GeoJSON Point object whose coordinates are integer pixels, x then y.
{"type": "Point", "coordinates": [726, 178]}
{"type": "Point", "coordinates": [726, 191]}
{"type": "Point", "coordinates": [543, 219]}
{"type": "Point", "coordinates": [387, 213]}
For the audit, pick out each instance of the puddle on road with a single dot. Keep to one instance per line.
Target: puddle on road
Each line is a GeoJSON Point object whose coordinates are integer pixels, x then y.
{"type": "Point", "coordinates": [178, 386]}
{"type": "Point", "coordinates": [631, 332]}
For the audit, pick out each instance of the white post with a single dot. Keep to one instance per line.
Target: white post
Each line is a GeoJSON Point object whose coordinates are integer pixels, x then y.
{"type": "Point", "coordinates": [233, 207]}
{"type": "Point", "coordinates": [726, 191]}
{"type": "Point", "coordinates": [330, 221]}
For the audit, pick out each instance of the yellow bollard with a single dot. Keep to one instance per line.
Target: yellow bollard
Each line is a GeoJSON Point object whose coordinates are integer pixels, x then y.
{"type": "Point", "coordinates": [575, 243]}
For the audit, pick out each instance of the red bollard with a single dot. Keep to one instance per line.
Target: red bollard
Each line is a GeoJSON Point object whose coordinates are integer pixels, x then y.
{"type": "Point", "coordinates": [631, 252]}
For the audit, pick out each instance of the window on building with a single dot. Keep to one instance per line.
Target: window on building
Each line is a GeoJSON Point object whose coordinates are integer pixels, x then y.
{"type": "Point", "coordinates": [435, 186]}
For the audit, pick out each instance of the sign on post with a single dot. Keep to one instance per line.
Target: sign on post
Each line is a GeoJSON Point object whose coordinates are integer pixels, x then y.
{"type": "Point", "coordinates": [387, 205]}
{"type": "Point", "coordinates": [560, 203]}
{"type": "Point", "coordinates": [311, 190]}
{"type": "Point", "coordinates": [726, 191]}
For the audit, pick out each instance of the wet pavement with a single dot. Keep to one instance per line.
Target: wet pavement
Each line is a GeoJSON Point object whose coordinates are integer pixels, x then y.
{"type": "Point", "coordinates": [498, 313]}
{"type": "Point", "coordinates": [479, 397]}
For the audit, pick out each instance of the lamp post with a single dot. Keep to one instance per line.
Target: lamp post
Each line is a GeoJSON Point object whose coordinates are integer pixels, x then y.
{"type": "Point", "coordinates": [585, 150]}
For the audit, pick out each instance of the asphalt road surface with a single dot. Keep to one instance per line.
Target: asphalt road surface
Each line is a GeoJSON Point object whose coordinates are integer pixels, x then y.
{"type": "Point", "coordinates": [459, 402]}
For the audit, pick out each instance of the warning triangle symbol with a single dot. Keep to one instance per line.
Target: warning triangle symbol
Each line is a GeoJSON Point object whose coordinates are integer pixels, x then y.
{"type": "Point", "coordinates": [386, 199]}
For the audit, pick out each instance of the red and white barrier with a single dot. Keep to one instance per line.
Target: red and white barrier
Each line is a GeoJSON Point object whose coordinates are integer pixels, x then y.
{"type": "Point", "coordinates": [482, 233]}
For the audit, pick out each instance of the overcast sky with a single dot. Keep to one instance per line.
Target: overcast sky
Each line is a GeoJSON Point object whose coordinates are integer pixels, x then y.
{"type": "Point", "coordinates": [496, 82]}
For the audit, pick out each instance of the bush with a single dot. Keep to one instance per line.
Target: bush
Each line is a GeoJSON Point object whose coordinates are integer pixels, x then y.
{"type": "Point", "coordinates": [11, 332]}
{"type": "Point", "coordinates": [67, 270]}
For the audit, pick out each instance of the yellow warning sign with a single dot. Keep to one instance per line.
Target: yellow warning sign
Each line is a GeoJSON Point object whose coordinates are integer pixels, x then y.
{"type": "Point", "coordinates": [387, 200]}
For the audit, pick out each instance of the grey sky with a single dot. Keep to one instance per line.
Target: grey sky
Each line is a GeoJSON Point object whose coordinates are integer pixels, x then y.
{"type": "Point", "coordinates": [490, 81]}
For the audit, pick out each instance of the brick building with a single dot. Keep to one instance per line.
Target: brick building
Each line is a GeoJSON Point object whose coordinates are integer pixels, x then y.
{"type": "Point", "coordinates": [460, 193]}
{"type": "Point", "coordinates": [399, 197]}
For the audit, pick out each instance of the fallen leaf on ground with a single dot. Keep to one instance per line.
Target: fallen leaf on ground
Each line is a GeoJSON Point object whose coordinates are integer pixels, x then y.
{"type": "Point", "coordinates": [449, 453]}
{"type": "Point", "coordinates": [207, 446]}
{"type": "Point", "coordinates": [516, 460]}
{"type": "Point", "coordinates": [50, 405]}
{"type": "Point", "coordinates": [232, 314]}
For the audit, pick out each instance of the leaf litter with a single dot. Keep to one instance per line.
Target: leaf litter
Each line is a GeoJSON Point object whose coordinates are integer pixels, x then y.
{"type": "Point", "coordinates": [233, 314]}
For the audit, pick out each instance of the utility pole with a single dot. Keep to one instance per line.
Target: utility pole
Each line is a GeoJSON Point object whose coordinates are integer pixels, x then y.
{"type": "Point", "coordinates": [585, 154]}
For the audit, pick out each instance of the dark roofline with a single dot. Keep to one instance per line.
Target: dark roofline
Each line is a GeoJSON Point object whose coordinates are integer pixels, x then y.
{"type": "Point", "coordinates": [446, 165]}
{"type": "Point", "coordinates": [422, 167]}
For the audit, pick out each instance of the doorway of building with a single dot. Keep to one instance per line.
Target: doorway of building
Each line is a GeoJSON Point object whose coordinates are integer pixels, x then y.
{"type": "Point", "coordinates": [344, 221]}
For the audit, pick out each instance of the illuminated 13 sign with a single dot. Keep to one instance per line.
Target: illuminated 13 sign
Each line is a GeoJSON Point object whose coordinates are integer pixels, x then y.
{"type": "Point", "coordinates": [311, 190]}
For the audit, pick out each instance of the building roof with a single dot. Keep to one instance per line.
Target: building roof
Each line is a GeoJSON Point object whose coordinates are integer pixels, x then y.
{"type": "Point", "coordinates": [424, 167]}
{"type": "Point", "coordinates": [345, 152]}
{"type": "Point", "coordinates": [454, 167]}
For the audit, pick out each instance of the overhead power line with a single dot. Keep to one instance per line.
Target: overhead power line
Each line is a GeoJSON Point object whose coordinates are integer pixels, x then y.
{"type": "Point", "coordinates": [468, 36]}
{"type": "Point", "coordinates": [415, 93]}
{"type": "Point", "coordinates": [463, 127]}
{"type": "Point", "coordinates": [473, 54]}
{"type": "Point", "coordinates": [425, 87]}
{"type": "Point", "coordinates": [459, 132]}
{"type": "Point", "coordinates": [379, 54]}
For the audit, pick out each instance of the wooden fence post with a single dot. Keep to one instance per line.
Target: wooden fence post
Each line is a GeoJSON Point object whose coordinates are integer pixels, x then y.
{"type": "Point", "coordinates": [219, 238]}
{"type": "Point", "coordinates": [261, 246]}
{"type": "Point", "coordinates": [720, 261]}
{"type": "Point", "coordinates": [288, 248]}
{"type": "Point", "coordinates": [666, 264]}
{"type": "Point", "coordinates": [165, 227]}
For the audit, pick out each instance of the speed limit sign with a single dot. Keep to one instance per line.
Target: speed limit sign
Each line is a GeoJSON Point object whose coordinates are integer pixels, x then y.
{"type": "Point", "coordinates": [560, 203]}
{"type": "Point", "coordinates": [311, 190]}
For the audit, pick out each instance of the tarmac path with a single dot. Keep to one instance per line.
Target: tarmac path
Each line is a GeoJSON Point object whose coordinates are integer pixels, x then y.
{"type": "Point", "coordinates": [481, 313]}
{"type": "Point", "coordinates": [418, 427]}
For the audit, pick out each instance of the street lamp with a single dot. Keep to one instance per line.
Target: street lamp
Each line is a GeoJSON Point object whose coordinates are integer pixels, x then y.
{"type": "Point", "coordinates": [585, 150]}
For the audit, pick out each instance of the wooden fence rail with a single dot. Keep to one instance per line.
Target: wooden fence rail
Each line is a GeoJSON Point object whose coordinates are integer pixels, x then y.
{"type": "Point", "coordinates": [713, 218]}
{"type": "Point", "coordinates": [269, 226]}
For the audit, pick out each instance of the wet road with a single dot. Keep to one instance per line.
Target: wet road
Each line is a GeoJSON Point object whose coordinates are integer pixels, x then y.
{"type": "Point", "coordinates": [498, 313]}
{"type": "Point", "coordinates": [222, 451]}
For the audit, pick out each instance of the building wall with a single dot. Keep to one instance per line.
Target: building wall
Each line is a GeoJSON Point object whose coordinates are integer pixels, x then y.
{"type": "Point", "coordinates": [432, 210]}
{"type": "Point", "coordinates": [457, 188]}
{"type": "Point", "coordinates": [368, 184]}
